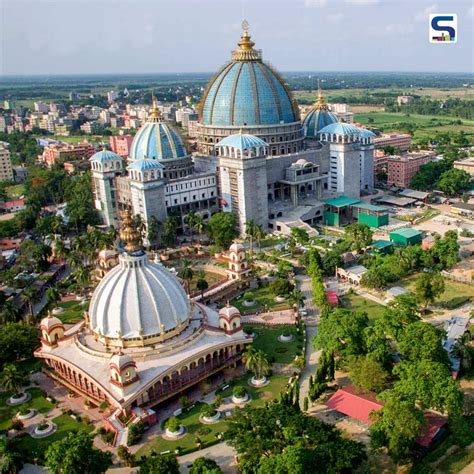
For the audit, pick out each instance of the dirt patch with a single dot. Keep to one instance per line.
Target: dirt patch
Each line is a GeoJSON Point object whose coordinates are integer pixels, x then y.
{"type": "Point", "coordinates": [266, 395]}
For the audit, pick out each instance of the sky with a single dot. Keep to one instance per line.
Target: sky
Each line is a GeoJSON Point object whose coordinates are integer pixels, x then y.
{"type": "Point", "coordinates": [162, 36]}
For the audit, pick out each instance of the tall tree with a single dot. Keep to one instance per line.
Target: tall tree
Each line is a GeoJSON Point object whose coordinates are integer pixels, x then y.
{"type": "Point", "coordinates": [359, 235]}
{"type": "Point", "coordinates": [256, 361]}
{"type": "Point", "coordinates": [222, 229]}
{"type": "Point", "coordinates": [12, 379]}
{"type": "Point", "coordinates": [170, 228]}
{"type": "Point", "coordinates": [161, 464]}
{"type": "Point", "coordinates": [428, 287]}
{"type": "Point", "coordinates": [202, 285]}
{"type": "Point", "coordinates": [191, 219]}
{"type": "Point", "coordinates": [186, 273]}
{"type": "Point", "coordinates": [367, 374]}
{"type": "Point", "coordinates": [75, 454]}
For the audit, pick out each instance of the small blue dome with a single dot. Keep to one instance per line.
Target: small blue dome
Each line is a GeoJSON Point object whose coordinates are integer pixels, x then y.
{"type": "Point", "coordinates": [105, 155]}
{"type": "Point", "coordinates": [247, 92]}
{"type": "Point", "coordinates": [341, 128]}
{"type": "Point", "coordinates": [242, 141]}
{"type": "Point", "coordinates": [158, 141]}
{"type": "Point", "coordinates": [145, 165]}
{"type": "Point", "coordinates": [364, 133]}
{"type": "Point", "coordinates": [318, 119]}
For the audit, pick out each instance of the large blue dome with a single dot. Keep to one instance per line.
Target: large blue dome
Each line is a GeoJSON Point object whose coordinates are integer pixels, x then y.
{"type": "Point", "coordinates": [157, 140]}
{"type": "Point", "coordinates": [247, 91]}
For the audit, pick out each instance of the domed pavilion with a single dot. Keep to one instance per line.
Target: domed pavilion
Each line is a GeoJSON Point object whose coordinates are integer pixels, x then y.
{"type": "Point", "coordinates": [143, 340]}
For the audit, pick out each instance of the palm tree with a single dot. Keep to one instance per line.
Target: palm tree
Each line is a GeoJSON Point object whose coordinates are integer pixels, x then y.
{"type": "Point", "coordinates": [250, 232]}
{"type": "Point", "coordinates": [60, 250]}
{"type": "Point", "coordinates": [30, 296]}
{"type": "Point", "coordinates": [11, 379]}
{"type": "Point", "coordinates": [259, 235]}
{"type": "Point", "coordinates": [202, 283]}
{"type": "Point", "coordinates": [296, 297]}
{"type": "Point", "coordinates": [52, 296]}
{"type": "Point", "coordinates": [10, 313]}
{"type": "Point", "coordinates": [83, 276]}
{"type": "Point", "coordinates": [186, 273]}
{"type": "Point", "coordinates": [199, 225]}
{"type": "Point", "coordinates": [256, 361]}
{"type": "Point", "coordinates": [74, 260]}
{"type": "Point", "coordinates": [190, 220]}
{"type": "Point", "coordinates": [462, 350]}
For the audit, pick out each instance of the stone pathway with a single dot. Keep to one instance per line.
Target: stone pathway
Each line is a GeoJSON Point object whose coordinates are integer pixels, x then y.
{"type": "Point", "coordinates": [222, 453]}
{"type": "Point", "coordinates": [312, 357]}
{"type": "Point", "coordinates": [270, 318]}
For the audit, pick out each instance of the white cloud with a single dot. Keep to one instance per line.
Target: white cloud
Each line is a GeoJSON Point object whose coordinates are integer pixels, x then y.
{"type": "Point", "coordinates": [334, 18]}
{"type": "Point", "coordinates": [315, 3]}
{"type": "Point", "coordinates": [362, 2]}
{"type": "Point", "coordinates": [399, 29]}
{"type": "Point", "coordinates": [470, 12]}
{"type": "Point", "coordinates": [424, 15]}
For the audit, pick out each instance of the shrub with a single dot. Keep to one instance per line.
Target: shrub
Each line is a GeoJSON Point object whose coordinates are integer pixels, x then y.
{"type": "Point", "coordinates": [104, 406]}
{"type": "Point", "coordinates": [173, 424]}
{"type": "Point", "coordinates": [16, 424]}
{"type": "Point", "coordinates": [281, 287]}
{"type": "Point", "coordinates": [286, 333]}
{"type": "Point", "coordinates": [184, 402]}
{"type": "Point", "coordinates": [248, 296]}
{"type": "Point", "coordinates": [305, 404]}
{"type": "Point", "coordinates": [24, 411]}
{"type": "Point", "coordinates": [135, 432]}
{"type": "Point", "coordinates": [208, 410]}
{"type": "Point", "coordinates": [126, 456]}
{"type": "Point", "coordinates": [108, 437]}
{"type": "Point", "coordinates": [205, 430]}
{"type": "Point", "coordinates": [239, 391]}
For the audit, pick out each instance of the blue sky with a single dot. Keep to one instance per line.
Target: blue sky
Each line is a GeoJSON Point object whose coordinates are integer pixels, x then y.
{"type": "Point", "coordinates": [137, 36]}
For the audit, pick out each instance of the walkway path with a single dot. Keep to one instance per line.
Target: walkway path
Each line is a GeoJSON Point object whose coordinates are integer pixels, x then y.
{"type": "Point", "coordinates": [222, 453]}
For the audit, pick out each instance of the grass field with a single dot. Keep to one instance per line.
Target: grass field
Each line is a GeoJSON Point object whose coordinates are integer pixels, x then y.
{"type": "Point", "coordinates": [264, 299]}
{"type": "Point", "coordinates": [452, 291]}
{"type": "Point", "coordinates": [31, 448]}
{"type": "Point", "coordinates": [356, 302]}
{"type": "Point", "coordinates": [193, 426]}
{"type": "Point", "coordinates": [37, 401]}
{"type": "Point", "coordinates": [73, 311]}
{"type": "Point", "coordinates": [267, 341]}
{"type": "Point", "coordinates": [15, 191]}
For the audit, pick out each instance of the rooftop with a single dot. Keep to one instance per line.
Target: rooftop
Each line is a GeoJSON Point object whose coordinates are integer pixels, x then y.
{"type": "Point", "coordinates": [381, 244]}
{"type": "Point", "coordinates": [370, 207]}
{"type": "Point", "coordinates": [342, 201]}
{"type": "Point", "coordinates": [406, 232]}
{"type": "Point", "coordinates": [411, 193]}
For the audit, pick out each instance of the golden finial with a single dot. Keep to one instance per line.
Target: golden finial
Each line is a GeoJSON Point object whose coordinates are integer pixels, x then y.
{"type": "Point", "coordinates": [245, 51]}
{"type": "Point", "coordinates": [129, 233]}
{"type": "Point", "coordinates": [155, 111]}
{"type": "Point", "coordinates": [320, 102]}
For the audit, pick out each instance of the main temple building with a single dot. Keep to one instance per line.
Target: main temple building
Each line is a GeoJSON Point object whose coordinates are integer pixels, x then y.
{"type": "Point", "coordinates": [255, 156]}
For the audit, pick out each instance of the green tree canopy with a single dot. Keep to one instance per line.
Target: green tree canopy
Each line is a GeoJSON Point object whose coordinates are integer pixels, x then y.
{"type": "Point", "coordinates": [367, 374]}
{"type": "Point", "coordinates": [428, 287]}
{"type": "Point", "coordinates": [205, 466]}
{"type": "Point", "coordinates": [359, 235]}
{"type": "Point", "coordinates": [75, 454]}
{"type": "Point", "coordinates": [157, 464]}
{"type": "Point", "coordinates": [453, 181]}
{"type": "Point", "coordinates": [342, 333]}
{"type": "Point", "coordinates": [222, 229]}
{"type": "Point", "coordinates": [80, 208]}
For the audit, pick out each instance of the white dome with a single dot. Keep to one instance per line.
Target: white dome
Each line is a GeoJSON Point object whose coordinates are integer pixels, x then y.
{"type": "Point", "coordinates": [121, 360]}
{"type": "Point", "coordinates": [236, 247]}
{"type": "Point", "coordinates": [50, 322]}
{"type": "Point", "coordinates": [229, 311]}
{"type": "Point", "coordinates": [138, 299]}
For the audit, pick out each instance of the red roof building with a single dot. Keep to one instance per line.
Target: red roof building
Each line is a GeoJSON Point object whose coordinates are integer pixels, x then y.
{"type": "Point", "coordinates": [331, 298]}
{"type": "Point", "coordinates": [359, 405]}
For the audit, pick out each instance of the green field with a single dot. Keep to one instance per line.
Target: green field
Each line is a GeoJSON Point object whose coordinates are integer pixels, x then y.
{"type": "Point", "coordinates": [73, 311]}
{"type": "Point", "coordinates": [356, 302]}
{"type": "Point", "coordinates": [267, 341]}
{"type": "Point", "coordinates": [452, 291]}
{"type": "Point", "coordinates": [264, 299]}
{"type": "Point", "coordinates": [190, 419]}
{"type": "Point", "coordinates": [15, 191]}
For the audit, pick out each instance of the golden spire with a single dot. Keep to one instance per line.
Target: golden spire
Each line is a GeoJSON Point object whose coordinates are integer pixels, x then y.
{"type": "Point", "coordinates": [320, 102]}
{"type": "Point", "coordinates": [129, 233]}
{"type": "Point", "coordinates": [155, 111]}
{"type": "Point", "coordinates": [246, 51]}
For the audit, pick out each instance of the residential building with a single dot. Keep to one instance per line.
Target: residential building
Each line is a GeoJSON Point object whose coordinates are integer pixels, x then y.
{"type": "Point", "coordinates": [6, 170]}
{"type": "Point", "coordinates": [466, 165]}
{"type": "Point", "coordinates": [121, 144]}
{"type": "Point", "coordinates": [66, 152]}
{"type": "Point", "coordinates": [402, 141]}
{"type": "Point", "coordinates": [402, 168]}
{"type": "Point", "coordinates": [405, 99]}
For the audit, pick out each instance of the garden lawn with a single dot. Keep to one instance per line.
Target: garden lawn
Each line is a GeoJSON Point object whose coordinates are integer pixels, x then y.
{"type": "Point", "coordinates": [31, 448]}
{"type": "Point", "coordinates": [356, 302]}
{"type": "Point", "coordinates": [15, 191]}
{"type": "Point", "coordinates": [73, 311]}
{"type": "Point", "coordinates": [279, 352]}
{"type": "Point", "coordinates": [190, 420]}
{"type": "Point", "coordinates": [454, 291]}
{"type": "Point", "coordinates": [211, 278]}
{"type": "Point", "coordinates": [37, 401]}
{"type": "Point", "coordinates": [264, 299]}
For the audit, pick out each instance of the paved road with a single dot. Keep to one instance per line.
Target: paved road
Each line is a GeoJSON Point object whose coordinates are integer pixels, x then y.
{"type": "Point", "coordinates": [222, 453]}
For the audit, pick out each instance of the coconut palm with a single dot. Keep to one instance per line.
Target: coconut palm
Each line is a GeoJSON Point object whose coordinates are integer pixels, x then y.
{"type": "Point", "coordinates": [186, 273]}
{"type": "Point", "coordinates": [199, 225]}
{"type": "Point", "coordinates": [296, 297]}
{"type": "Point", "coordinates": [259, 236]}
{"type": "Point", "coordinates": [30, 296]}
{"type": "Point", "coordinates": [74, 260]}
{"type": "Point", "coordinates": [250, 233]}
{"type": "Point", "coordinates": [10, 312]}
{"type": "Point", "coordinates": [190, 220]}
{"type": "Point", "coordinates": [82, 276]}
{"type": "Point", "coordinates": [11, 379]}
{"type": "Point", "coordinates": [462, 350]}
{"type": "Point", "coordinates": [256, 361]}
{"type": "Point", "coordinates": [60, 250]}
{"type": "Point", "coordinates": [52, 296]}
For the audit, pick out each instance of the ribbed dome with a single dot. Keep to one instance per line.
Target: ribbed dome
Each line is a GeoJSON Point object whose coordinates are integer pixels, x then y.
{"type": "Point", "coordinates": [316, 120]}
{"type": "Point", "coordinates": [247, 91]}
{"type": "Point", "coordinates": [145, 164]}
{"type": "Point", "coordinates": [341, 128]}
{"type": "Point", "coordinates": [138, 299]}
{"type": "Point", "coordinates": [242, 141]}
{"type": "Point", "coordinates": [105, 155]}
{"type": "Point", "coordinates": [157, 140]}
